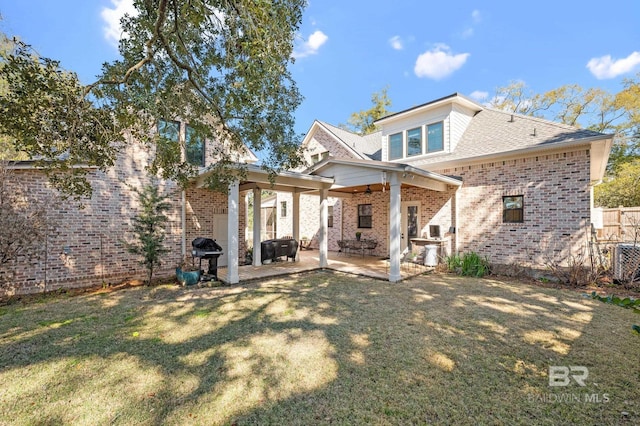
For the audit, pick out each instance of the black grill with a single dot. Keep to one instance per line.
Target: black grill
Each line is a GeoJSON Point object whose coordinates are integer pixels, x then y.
{"type": "Point", "coordinates": [206, 248]}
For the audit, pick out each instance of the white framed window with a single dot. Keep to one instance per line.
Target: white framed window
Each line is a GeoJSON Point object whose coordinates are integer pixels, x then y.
{"type": "Point", "coordinates": [414, 141]}
{"type": "Point", "coordinates": [395, 146]}
{"type": "Point", "coordinates": [435, 137]}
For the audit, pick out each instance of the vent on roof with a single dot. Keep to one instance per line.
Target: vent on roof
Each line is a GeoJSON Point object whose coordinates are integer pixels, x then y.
{"type": "Point", "coordinates": [511, 119]}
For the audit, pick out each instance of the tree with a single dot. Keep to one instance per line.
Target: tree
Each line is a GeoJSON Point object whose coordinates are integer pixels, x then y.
{"type": "Point", "coordinates": [597, 110]}
{"type": "Point", "coordinates": [149, 228]}
{"type": "Point", "coordinates": [592, 108]}
{"type": "Point", "coordinates": [362, 122]}
{"type": "Point", "coordinates": [221, 66]}
{"type": "Point", "coordinates": [623, 189]}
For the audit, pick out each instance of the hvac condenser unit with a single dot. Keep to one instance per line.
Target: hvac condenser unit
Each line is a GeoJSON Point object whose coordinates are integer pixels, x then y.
{"type": "Point", "coordinates": [626, 262]}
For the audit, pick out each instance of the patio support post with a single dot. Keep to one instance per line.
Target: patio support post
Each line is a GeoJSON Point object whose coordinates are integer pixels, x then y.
{"type": "Point", "coordinates": [296, 219]}
{"type": "Point", "coordinates": [232, 229]}
{"type": "Point", "coordinates": [257, 226]}
{"type": "Point", "coordinates": [395, 213]}
{"type": "Point", "coordinates": [323, 234]}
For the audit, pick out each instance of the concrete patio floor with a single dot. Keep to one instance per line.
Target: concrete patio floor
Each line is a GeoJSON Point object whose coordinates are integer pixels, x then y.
{"type": "Point", "coordinates": [308, 260]}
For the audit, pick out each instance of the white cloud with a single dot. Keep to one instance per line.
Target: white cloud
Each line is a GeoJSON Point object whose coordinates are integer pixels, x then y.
{"type": "Point", "coordinates": [111, 17]}
{"type": "Point", "coordinates": [311, 46]}
{"type": "Point", "coordinates": [467, 33]}
{"type": "Point", "coordinates": [479, 95]}
{"type": "Point", "coordinates": [475, 15]}
{"type": "Point", "coordinates": [605, 67]}
{"type": "Point", "coordinates": [396, 43]}
{"type": "Point", "coordinates": [439, 62]}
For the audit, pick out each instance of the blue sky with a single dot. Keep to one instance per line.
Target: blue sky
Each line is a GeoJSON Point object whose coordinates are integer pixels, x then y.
{"type": "Point", "coordinates": [346, 50]}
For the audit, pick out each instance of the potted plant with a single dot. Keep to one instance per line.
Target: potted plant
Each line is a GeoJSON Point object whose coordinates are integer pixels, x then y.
{"type": "Point", "coordinates": [248, 256]}
{"type": "Point", "coordinates": [186, 273]}
{"type": "Point", "coordinates": [358, 235]}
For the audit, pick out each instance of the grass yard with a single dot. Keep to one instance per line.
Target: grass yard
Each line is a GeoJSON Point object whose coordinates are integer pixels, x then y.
{"type": "Point", "coordinates": [320, 348]}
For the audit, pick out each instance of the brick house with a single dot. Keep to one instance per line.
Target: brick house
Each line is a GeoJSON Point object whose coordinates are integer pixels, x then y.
{"type": "Point", "coordinates": [451, 171]}
{"type": "Point", "coordinates": [514, 188]}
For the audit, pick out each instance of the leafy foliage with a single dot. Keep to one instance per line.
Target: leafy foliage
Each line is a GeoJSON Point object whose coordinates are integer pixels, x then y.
{"type": "Point", "coordinates": [149, 228]}
{"type": "Point", "coordinates": [470, 264]}
{"type": "Point", "coordinates": [220, 66]}
{"type": "Point", "coordinates": [47, 117]}
{"type": "Point", "coordinates": [622, 189]}
{"type": "Point", "coordinates": [597, 110]}
{"type": "Point", "coordinates": [627, 303]}
{"type": "Point", "coordinates": [363, 122]}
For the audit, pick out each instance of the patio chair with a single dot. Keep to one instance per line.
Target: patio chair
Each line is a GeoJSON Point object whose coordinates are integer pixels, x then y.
{"type": "Point", "coordinates": [343, 247]}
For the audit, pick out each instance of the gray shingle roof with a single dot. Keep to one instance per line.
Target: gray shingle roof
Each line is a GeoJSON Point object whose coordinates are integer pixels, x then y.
{"type": "Point", "coordinates": [492, 132]}
{"type": "Point", "coordinates": [369, 146]}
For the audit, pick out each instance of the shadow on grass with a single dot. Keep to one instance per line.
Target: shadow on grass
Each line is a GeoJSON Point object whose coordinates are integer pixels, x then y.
{"type": "Point", "coordinates": [317, 348]}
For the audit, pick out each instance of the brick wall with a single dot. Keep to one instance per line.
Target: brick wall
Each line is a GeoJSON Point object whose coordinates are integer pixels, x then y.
{"type": "Point", "coordinates": [87, 247]}
{"type": "Point", "coordinates": [436, 208]}
{"type": "Point", "coordinates": [556, 207]}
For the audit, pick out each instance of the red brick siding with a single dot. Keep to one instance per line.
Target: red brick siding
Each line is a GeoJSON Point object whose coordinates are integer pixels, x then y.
{"type": "Point", "coordinates": [556, 207]}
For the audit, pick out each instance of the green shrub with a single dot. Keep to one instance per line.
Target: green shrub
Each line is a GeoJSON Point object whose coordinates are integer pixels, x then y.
{"type": "Point", "coordinates": [469, 264]}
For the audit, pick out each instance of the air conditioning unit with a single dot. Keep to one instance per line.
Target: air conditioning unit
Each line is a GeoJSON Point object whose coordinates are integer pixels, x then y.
{"type": "Point", "coordinates": [626, 262]}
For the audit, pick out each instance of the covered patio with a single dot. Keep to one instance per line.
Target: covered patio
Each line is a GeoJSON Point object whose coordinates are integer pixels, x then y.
{"type": "Point", "coordinates": [368, 266]}
{"type": "Point", "coordinates": [338, 178]}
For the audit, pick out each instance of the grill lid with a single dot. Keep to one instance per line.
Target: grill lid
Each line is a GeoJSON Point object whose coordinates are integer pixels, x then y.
{"type": "Point", "coordinates": [205, 244]}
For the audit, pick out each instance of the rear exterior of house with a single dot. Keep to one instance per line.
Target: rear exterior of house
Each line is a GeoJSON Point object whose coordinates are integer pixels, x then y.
{"type": "Point", "coordinates": [526, 183]}
{"type": "Point", "coordinates": [449, 172]}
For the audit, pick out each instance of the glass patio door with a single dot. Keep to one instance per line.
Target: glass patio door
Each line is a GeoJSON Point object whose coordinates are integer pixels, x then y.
{"type": "Point", "coordinates": [410, 223]}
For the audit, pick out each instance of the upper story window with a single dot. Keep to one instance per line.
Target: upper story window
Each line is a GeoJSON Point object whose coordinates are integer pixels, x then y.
{"type": "Point", "coordinates": [169, 130]}
{"type": "Point", "coordinates": [194, 147]}
{"type": "Point", "coordinates": [435, 137]}
{"type": "Point", "coordinates": [414, 142]}
{"type": "Point", "coordinates": [395, 146]}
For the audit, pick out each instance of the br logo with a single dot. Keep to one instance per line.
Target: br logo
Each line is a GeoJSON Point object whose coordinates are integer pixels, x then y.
{"type": "Point", "coordinates": [560, 375]}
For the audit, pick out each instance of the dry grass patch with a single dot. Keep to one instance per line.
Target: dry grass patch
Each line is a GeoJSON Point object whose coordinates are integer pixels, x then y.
{"type": "Point", "coordinates": [318, 348]}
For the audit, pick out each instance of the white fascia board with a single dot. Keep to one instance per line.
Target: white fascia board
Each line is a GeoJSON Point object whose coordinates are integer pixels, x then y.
{"type": "Point", "coordinates": [515, 154]}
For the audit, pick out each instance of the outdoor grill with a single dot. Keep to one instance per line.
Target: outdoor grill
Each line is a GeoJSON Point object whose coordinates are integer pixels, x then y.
{"type": "Point", "coordinates": [206, 248]}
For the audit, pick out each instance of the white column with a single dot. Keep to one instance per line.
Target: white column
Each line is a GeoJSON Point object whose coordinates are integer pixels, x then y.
{"type": "Point", "coordinates": [395, 211]}
{"type": "Point", "coordinates": [323, 234]}
{"type": "Point", "coordinates": [296, 220]}
{"type": "Point", "coordinates": [257, 226]}
{"type": "Point", "coordinates": [232, 229]}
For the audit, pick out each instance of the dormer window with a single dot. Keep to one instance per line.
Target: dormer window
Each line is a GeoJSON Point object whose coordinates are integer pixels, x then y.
{"type": "Point", "coordinates": [414, 142]}
{"type": "Point", "coordinates": [410, 143]}
{"type": "Point", "coordinates": [395, 146]}
{"type": "Point", "coordinates": [435, 137]}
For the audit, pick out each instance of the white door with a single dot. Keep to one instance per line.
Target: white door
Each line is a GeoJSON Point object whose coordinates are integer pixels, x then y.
{"type": "Point", "coordinates": [410, 223]}
{"type": "Point", "coordinates": [221, 234]}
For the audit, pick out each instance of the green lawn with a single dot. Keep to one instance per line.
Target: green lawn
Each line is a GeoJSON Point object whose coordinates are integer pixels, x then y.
{"type": "Point", "coordinates": [320, 348]}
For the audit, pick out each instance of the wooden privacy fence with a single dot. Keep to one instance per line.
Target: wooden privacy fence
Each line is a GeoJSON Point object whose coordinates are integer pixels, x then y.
{"type": "Point", "coordinates": [622, 224]}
